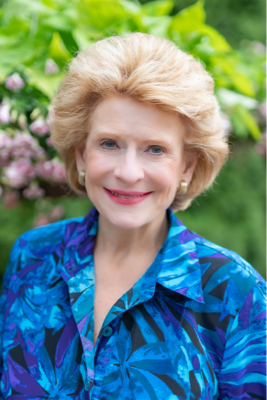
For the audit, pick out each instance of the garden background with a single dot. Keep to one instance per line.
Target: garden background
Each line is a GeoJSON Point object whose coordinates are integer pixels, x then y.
{"type": "Point", "coordinates": [37, 40]}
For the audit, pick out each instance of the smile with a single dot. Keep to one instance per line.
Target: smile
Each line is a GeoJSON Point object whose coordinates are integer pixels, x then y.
{"type": "Point", "coordinates": [127, 198]}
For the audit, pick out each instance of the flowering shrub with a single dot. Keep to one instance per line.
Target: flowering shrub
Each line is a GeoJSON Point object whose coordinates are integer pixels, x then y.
{"type": "Point", "coordinates": [27, 156]}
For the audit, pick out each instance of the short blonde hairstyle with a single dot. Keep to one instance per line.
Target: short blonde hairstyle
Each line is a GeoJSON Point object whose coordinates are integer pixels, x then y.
{"type": "Point", "coordinates": [151, 70]}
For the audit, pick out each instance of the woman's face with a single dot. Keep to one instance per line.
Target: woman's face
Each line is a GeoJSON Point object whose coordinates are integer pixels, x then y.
{"type": "Point", "coordinates": [134, 161]}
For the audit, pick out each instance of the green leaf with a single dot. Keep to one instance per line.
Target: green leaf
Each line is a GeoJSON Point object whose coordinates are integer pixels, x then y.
{"type": "Point", "coordinates": [23, 10]}
{"type": "Point", "coordinates": [69, 42]}
{"type": "Point", "coordinates": [239, 127]}
{"type": "Point", "coordinates": [157, 26]}
{"type": "Point", "coordinates": [8, 41]}
{"type": "Point", "coordinates": [58, 51]}
{"type": "Point", "coordinates": [250, 123]}
{"type": "Point", "coordinates": [243, 123]}
{"type": "Point", "coordinates": [102, 14]}
{"type": "Point", "coordinates": [217, 41]}
{"type": "Point", "coordinates": [228, 66]}
{"type": "Point", "coordinates": [229, 98]}
{"type": "Point", "coordinates": [158, 8]}
{"type": "Point", "coordinates": [132, 7]}
{"type": "Point", "coordinates": [189, 19]}
{"type": "Point", "coordinates": [83, 37]}
{"type": "Point", "coordinates": [58, 22]}
{"type": "Point", "coordinates": [45, 83]}
{"type": "Point", "coordinates": [14, 56]}
{"type": "Point", "coordinates": [243, 84]}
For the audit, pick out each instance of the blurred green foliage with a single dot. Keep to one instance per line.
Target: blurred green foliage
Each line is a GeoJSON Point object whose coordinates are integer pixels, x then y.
{"type": "Point", "coordinates": [231, 214]}
{"type": "Point", "coordinates": [236, 20]}
{"type": "Point", "coordinates": [31, 32]}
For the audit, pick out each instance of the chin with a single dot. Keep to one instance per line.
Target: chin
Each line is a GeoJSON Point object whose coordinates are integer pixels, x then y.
{"type": "Point", "coordinates": [127, 220]}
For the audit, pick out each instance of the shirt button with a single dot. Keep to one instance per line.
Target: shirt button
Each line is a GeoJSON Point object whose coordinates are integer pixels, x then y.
{"type": "Point", "coordinates": [107, 331]}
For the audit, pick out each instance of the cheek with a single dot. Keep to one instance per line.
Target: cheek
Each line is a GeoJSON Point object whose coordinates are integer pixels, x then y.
{"type": "Point", "coordinates": [166, 179]}
{"type": "Point", "coordinates": [167, 175]}
{"type": "Point", "coordinates": [96, 167]}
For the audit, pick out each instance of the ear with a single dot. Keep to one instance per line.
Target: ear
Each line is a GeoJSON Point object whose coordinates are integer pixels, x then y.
{"type": "Point", "coordinates": [80, 158]}
{"type": "Point", "coordinates": [191, 159]}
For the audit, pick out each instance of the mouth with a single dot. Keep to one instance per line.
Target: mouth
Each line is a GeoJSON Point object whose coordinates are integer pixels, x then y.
{"type": "Point", "coordinates": [127, 195]}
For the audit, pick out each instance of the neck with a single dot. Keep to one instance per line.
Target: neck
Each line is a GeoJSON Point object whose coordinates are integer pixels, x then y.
{"type": "Point", "coordinates": [119, 244]}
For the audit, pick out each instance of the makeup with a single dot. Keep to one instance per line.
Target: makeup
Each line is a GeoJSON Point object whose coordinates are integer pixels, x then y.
{"type": "Point", "coordinates": [126, 197]}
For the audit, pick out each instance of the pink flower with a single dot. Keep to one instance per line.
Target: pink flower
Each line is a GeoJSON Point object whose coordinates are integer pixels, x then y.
{"type": "Point", "coordinates": [33, 191]}
{"type": "Point", "coordinates": [6, 146]}
{"type": "Point", "coordinates": [40, 127]}
{"type": "Point", "coordinates": [24, 140]}
{"type": "Point", "coordinates": [19, 172]}
{"type": "Point", "coordinates": [5, 140]}
{"type": "Point", "coordinates": [52, 170]}
{"type": "Point", "coordinates": [39, 153]}
{"type": "Point", "coordinates": [41, 220]}
{"type": "Point", "coordinates": [4, 113]}
{"type": "Point", "coordinates": [59, 172]}
{"type": "Point", "coordinates": [262, 109]}
{"type": "Point", "coordinates": [25, 145]}
{"type": "Point", "coordinates": [57, 214]}
{"type": "Point", "coordinates": [44, 169]}
{"type": "Point", "coordinates": [258, 48]}
{"type": "Point", "coordinates": [3, 162]}
{"type": "Point", "coordinates": [14, 82]}
{"type": "Point", "coordinates": [51, 67]}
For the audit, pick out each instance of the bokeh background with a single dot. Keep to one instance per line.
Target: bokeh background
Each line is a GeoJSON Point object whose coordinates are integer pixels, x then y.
{"type": "Point", "coordinates": [37, 40]}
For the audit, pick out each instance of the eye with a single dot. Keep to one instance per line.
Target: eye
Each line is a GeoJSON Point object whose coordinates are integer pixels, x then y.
{"type": "Point", "coordinates": [156, 149]}
{"type": "Point", "coordinates": [108, 144]}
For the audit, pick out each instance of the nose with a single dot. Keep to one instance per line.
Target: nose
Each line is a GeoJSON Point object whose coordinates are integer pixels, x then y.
{"type": "Point", "coordinates": [129, 167]}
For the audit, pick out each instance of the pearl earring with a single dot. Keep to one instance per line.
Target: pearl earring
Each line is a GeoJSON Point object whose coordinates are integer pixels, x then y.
{"type": "Point", "coordinates": [183, 188]}
{"type": "Point", "coordinates": [81, 178]}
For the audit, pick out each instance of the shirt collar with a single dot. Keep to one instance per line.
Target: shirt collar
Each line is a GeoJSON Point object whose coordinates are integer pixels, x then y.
{"type": "Point", "coordinates": [176, 266]}
{"type": "Point", "coordinates": [180, 270]}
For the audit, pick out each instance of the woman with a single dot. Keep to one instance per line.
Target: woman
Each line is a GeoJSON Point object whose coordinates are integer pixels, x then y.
{"type": "Point", "coordinates": [127, 303]}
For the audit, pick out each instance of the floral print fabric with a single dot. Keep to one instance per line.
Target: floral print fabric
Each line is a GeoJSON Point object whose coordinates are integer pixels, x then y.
{"type": "Point", "coordinates": [191, 328]}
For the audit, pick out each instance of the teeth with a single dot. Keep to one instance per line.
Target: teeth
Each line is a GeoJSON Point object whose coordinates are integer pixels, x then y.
{"type": "Point", "coordinates": [125, 197]}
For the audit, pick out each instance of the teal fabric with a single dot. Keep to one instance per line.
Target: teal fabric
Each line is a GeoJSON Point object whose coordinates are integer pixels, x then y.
{"type": "Point", "coordinates": [193, 326]}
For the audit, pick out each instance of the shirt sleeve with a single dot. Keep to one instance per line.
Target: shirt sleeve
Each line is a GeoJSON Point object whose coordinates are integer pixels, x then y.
{"type": "Point", "coordinates": [13, 261]}
{"type": "Point", "coordinates": [243, 368]}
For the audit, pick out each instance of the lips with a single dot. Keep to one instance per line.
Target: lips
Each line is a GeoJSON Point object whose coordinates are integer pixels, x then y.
{"type": "Point", "coordinates": [126, 197]}
{"type": "Point", "coordinates": [122, 193]}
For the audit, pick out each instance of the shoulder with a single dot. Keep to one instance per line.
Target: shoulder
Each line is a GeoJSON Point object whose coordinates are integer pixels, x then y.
{"type": "Point", "coordinates": [49, 234]}
{"type": "Point", "coordinates": [226, 276]}
{"type": "Point", "coordinates": [37, 247]}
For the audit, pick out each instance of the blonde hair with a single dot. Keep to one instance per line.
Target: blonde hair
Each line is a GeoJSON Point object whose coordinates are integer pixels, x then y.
{"type": "Point", "coordinates": [151, 70]}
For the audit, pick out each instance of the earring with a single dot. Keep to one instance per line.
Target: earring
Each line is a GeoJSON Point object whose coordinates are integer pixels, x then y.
{"type": "Point", "coordinates": [81, 178]}
{"type": "Point", "coordinates": [183, 188]}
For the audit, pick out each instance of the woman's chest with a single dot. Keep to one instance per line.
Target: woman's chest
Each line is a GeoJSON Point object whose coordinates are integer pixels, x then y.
{"type": "Point", "coordinates": [152, 350]}
{"type": "Point", "coordinates": [106, 295]}
{"type": "Point", "coordinates": [108, 289]}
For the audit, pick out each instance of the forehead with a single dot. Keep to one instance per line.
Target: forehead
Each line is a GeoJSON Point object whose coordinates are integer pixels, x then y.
{"type": "Point", "coordinates": [121, 114]}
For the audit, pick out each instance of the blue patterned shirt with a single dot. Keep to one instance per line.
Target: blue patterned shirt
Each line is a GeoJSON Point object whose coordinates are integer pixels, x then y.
{"type": "Point", "coordinates": [192, 327]}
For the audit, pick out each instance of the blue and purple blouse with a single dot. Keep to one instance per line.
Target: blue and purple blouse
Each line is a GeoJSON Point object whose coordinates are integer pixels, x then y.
{"type": "Point", "coordinates": [192, 327]}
